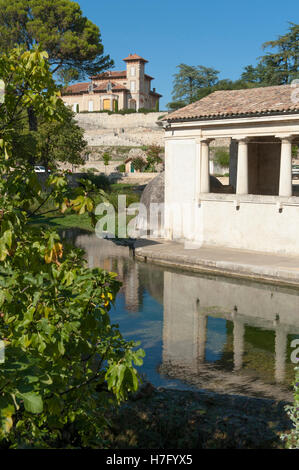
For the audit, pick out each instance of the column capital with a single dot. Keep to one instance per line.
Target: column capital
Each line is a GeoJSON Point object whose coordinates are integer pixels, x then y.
{"type": "Point", "coordinates": [285, 137]}
{"type": "Point", "coordinates": [204, 140]}
{"type": "Point", "coordinates": [242, 139]}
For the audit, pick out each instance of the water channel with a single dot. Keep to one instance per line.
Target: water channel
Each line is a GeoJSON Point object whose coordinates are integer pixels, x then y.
{"type": "Point", "coordinates": [202, 331]}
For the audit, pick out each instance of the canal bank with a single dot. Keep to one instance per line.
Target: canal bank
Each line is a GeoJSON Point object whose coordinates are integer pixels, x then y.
{"type": "Point", "coordinates": [265, 267]}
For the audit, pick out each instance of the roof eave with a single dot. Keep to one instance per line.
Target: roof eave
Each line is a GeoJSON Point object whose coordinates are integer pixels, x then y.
{"type": "Point", "coordinates": [232, 116]}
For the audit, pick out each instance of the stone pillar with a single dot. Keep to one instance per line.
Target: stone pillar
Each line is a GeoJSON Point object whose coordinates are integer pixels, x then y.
{"type": "Point", "coordinates": [285, 178]}
{"type": "Point", "coordinates": [205, 167]}
{"type": "Point", "coordinates": [242, 171]}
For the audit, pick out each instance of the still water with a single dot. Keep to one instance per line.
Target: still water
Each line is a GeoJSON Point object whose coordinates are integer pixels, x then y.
{"type": "Point", "coordinates": [211, 332]}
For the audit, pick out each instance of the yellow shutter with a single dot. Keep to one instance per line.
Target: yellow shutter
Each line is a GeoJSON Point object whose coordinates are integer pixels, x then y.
{"type": "Point", "coordinates": [106, 104]}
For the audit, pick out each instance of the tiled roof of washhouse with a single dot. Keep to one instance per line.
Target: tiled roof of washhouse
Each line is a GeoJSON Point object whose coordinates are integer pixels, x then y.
{"type": "Point", "coordinates": [234, 103]}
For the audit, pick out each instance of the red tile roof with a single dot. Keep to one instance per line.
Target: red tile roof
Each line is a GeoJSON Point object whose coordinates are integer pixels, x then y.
{"type": "Point", "coordinates": [76, 89]}
{"type": "Point", "coordinates": [80, 88]}
{"type": "Point", "coordinates": [103, 87]}
{"type": "Point", "coordinates": [134, 57]}
{"type": "Point", "coordinates": [274, 99]}
{"type": "Point", "coordinates": [110, 73]}
{"type": "Point", "coordinates": [155, 93]}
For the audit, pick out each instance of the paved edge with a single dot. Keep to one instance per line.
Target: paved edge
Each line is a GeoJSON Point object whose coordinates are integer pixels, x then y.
{"type": "Point", "coordinates": [228, 269]}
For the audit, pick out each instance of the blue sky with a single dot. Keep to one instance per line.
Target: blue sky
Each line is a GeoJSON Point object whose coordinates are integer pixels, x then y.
{"type": "Point", "coordinates": [226, 35]}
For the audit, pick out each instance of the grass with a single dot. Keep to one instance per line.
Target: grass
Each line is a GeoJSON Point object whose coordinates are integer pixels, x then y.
{"type": "Point", "coordinates": [70, 220]}
{"type": "Point", "coordinates": [64, 221]}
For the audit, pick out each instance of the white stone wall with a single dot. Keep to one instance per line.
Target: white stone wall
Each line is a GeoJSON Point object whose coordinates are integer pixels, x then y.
{"type": "Point", "coordinates": [259, 224]}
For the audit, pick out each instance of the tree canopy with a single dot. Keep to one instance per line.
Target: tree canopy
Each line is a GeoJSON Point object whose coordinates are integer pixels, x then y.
{"type": "Point", "coordinates": [278, 66]}
{"type": "Point", "coordinates": [60, 140]}
{"type": "Point", "coordinates": [190, 79]}
{"type": "Point", "coordinates": [72, 41]}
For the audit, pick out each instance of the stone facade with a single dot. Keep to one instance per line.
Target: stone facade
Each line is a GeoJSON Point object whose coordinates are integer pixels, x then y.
{"type": "Point", "coordinates": [115, 90]}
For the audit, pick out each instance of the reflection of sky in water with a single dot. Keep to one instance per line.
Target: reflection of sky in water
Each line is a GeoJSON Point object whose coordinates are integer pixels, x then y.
{"type": "Point", "coordinates": [146, 326]}
{"type": "Point", "coordinates": [216, 338]}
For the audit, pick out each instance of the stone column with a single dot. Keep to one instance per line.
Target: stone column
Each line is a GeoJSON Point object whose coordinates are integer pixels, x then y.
{"type": "Point", "coordinates": [205, 166]}
{"type": "Point", "coordinates": [242, 170]}
{"type": "Point", "coordinates": [285, 178]}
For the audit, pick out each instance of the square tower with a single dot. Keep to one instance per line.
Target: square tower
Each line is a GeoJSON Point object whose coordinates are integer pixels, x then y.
{"type": "Point", "coordinates": [136, 82]}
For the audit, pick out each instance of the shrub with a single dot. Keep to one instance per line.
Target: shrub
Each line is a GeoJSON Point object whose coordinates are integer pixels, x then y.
{"type": "Point", "coordinates": [100, 181]}
{"type": "Point", "coordinates": [91, 171]}
{"type": "Point", "coordinates": [121, 168]}
{"type": "Point", "coordinates": [146, 111]}
{"type": "Point", "coordinates": [153, 157]}
{"type": "Point", "coordinates": [221, 156]}
{"type": "Point", "coordinates": [138, 163]}
{"type": "Point", "coordinates": [292, 439]}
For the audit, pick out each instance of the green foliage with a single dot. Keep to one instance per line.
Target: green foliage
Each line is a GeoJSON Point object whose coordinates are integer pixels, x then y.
{"type": "Point", "coordinates": [60, 141]}
{"type": "Point", "coordinates": [292, 439]}
{"type": "Point", "coordinates": [153, 157]}
{"type": "Point", "coordinates": [190, 79]}
{"type": "Point", "coordinates": [99, 181]}
{"type": "Point", "coordinates": [146, 111]}
{"type": "Point", "coordinates": [122, 168]}
{"type": "Point", "coordinates": [280, 66]}
{"type": "Point", "coordinates": [106, 158]}
{"type": "Point", "coordinates": [139, 163]}
{"type": "Point", "coordinates": [73, 42]}
{"type": "Point", "coordinates": [221, 156]}
{"type": "Point", "coordinates": [174, 105]}
{"type": "Point", "coordinates": [64, 360]}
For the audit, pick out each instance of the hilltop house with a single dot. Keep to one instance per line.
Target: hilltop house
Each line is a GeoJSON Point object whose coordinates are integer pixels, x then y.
{"type": "Point", "coordinates": [115, 90]}
{"type": "Point", "coordinates": [261, 212]}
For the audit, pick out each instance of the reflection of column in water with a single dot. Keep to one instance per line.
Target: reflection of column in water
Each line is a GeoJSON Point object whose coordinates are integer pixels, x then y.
{"type": "Point", "coordinates": [132, 289]}
{"type": "Point", "coordinates": [107, 264]}
{"type": "Point", "coordinates": [239, 331]}
{"type": "Point", "coordinates": [202, 334]}
{"type": "Point", "coordinates": [120, 268]}
{"type": "Point", "coordinates": [280, 353]}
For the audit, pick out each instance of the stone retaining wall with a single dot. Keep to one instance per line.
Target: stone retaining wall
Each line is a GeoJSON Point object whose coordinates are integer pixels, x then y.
{"type": "Point", "coordinates": [131, 130]}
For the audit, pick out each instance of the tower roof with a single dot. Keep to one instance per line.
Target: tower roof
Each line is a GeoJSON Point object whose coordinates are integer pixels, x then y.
{"type": "Point", "coordinates": [134, 57]}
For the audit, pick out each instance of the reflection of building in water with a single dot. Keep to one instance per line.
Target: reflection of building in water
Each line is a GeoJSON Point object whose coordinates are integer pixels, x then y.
{"type": "Point", "coordinates": [114, 258]}
{"type": "Point", "coordinates": [226, 334]}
